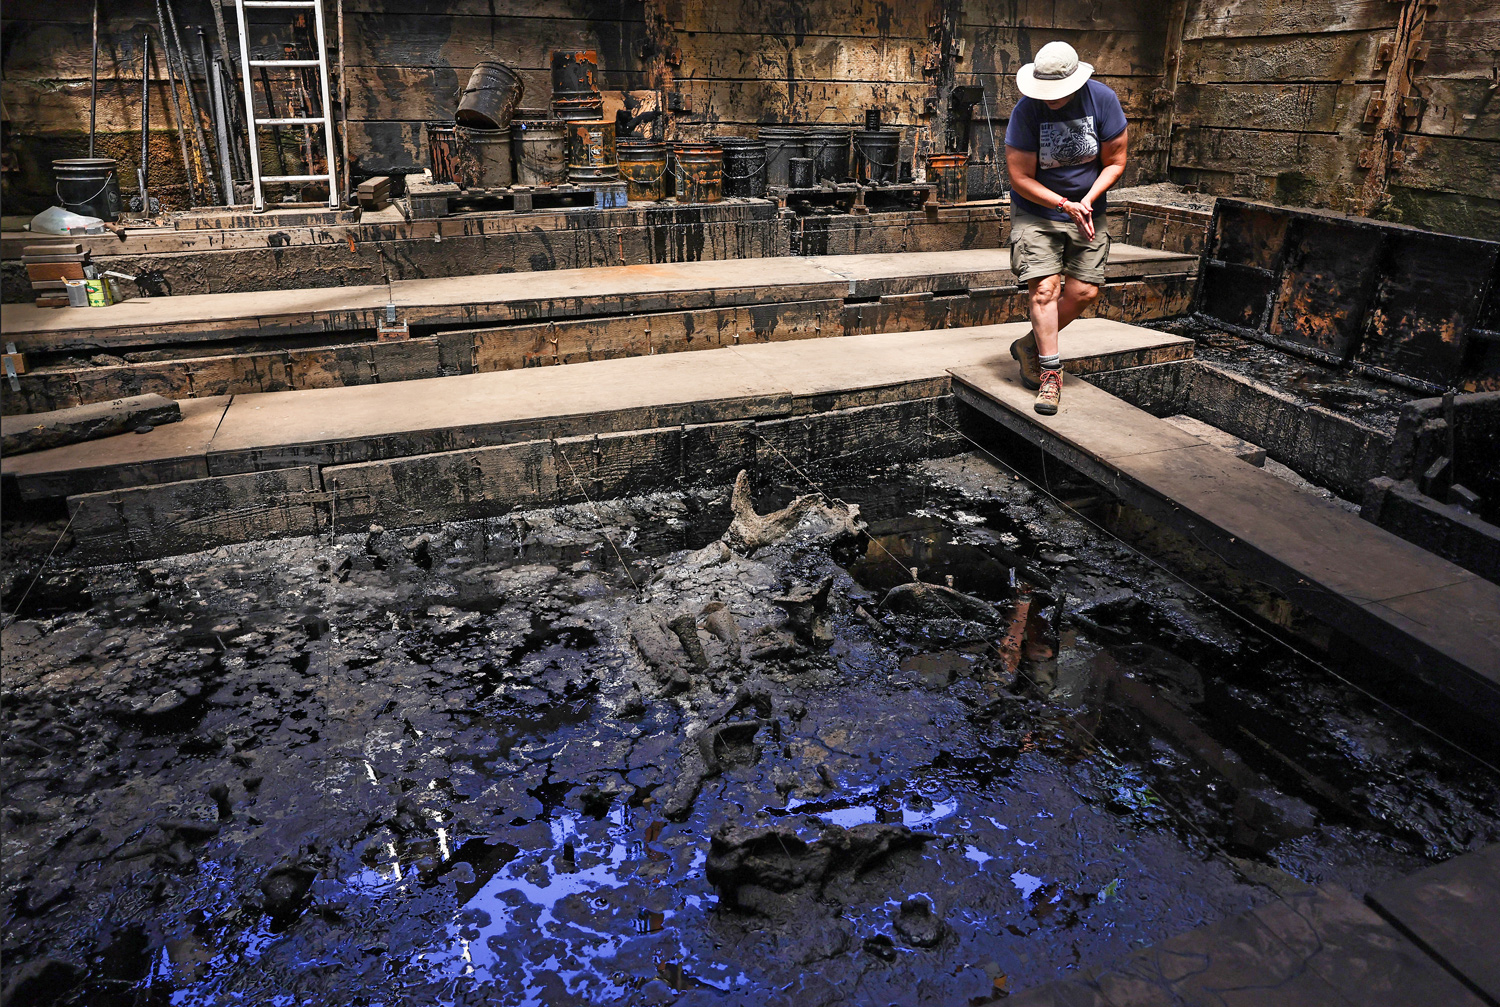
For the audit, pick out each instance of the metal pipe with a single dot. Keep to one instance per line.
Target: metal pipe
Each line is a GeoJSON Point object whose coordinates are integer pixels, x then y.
{"type": "Point", "coordinates": [145, 124]}
{"type": "Point", "coordinates": [216, 110]}
{"type": "Point", "coordinates": [94, 82]}
{"type": "Point", "coordinates": [230, 86]}
{"type": "Point", "coordinates": [166, 52]}
{"type": "Point", "coordinates": [229, 82]}
{"type": "Point", "coordinates": [192, 100]}
{"type": "Point", "coordinates": [343, 111]}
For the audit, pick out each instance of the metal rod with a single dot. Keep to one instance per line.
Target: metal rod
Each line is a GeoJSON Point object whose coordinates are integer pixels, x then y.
{"type": "Point", "coordinates": [145, 124]}
{"type": "Point", "coordinates": [343, 112]}
{"type": "Point", "coordinates": [94, 82]}
{"type": "Point", "coordinates": [166, 52]}
{"type": "Point", "coordinates": [216, 109]}
{"type": "Point", "coordinates": [231, 107]}
{"type": "Point", "coordinates": [192, 101]}
{"type": "Point", "coordinates": [228, 80]}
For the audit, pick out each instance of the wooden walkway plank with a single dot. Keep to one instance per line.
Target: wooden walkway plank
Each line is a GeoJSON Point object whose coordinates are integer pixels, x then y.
{"type": "Point", "coordinates": [1453, 912]}
{"type": "Point", "coordinates": [1441, 621]}
{"type": "Point", "coordinates": [169, 453]}
{"type": "Point", "coordinates": [496, 298]}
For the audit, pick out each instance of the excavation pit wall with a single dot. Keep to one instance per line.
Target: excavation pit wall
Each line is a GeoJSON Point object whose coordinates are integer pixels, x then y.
{"type": "Point", "coordinates": [484, 756]}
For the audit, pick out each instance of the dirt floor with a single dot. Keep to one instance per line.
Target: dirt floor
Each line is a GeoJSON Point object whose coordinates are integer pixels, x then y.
{"type": "Point", "coordinates": [614, 753]}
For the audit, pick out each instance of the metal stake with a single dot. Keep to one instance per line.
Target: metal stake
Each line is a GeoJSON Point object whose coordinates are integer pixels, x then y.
{"type": "Point", "coordinates": [145, 124]}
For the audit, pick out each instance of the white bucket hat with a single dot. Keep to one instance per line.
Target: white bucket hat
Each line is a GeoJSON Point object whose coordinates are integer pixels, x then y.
{"type": "Point", "coordinates": [1055, 74]}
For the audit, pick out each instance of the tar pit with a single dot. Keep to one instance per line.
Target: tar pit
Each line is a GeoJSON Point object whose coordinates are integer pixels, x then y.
{"type": "Point", "coordinates": [927, 739]}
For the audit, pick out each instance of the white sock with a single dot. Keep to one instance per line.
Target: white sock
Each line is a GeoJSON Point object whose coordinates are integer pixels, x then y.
{"type": "Point", "coordinates": [1052, 362]}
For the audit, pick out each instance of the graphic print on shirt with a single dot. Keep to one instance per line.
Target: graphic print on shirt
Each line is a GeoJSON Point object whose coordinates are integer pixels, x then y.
{"type": "Point", "coordinates": [1073, 141]}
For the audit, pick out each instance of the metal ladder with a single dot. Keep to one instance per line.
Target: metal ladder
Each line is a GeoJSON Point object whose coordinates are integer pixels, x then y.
{"type": "Point", "coordinates": [325, 120]}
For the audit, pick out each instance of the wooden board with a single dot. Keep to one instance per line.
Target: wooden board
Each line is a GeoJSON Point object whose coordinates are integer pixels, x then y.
{"type": "Point", "coordinates": [1438, 621]}
{"type": "Point", "coordinates": [1450, 911]}
{"type": "Point", "coordinates": [158, 520]}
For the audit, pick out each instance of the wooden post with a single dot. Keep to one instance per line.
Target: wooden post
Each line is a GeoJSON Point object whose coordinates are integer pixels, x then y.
{"type": "Point", "coordinates": [662, 56]}
{"type": "Point", "coordinates": [949, 18]}
{"type": "Point", "coordinates": [1165, 97]}
{"type": "Point", "coordinates": [1382, 156]}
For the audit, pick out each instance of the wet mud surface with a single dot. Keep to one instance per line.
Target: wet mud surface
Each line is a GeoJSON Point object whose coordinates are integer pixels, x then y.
{"type": "Point", "coordinates": [595, 755]}
{"type": "Point", "coordinates": [1367, 400]}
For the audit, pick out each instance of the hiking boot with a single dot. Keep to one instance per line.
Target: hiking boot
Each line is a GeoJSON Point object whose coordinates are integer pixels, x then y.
{"type": "Point", "coordinates": [1050, 394]}
{"type": "Point", "coordinates": [1024, 350]}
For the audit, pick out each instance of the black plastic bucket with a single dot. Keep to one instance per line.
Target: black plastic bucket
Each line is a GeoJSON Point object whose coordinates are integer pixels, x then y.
{"type": "Point", "coordinates": [483, 159]}
{"type": "Point", "coordinates": [876, 153]}
{"type": "Point", "coordinates": [643, 166]}
{"type": "Point", "coordinates": [802, 172]}
{"type": "Point", "coordinates": [782, 144]}
{"type": "Point", "coordinates": [490, 99]}
{"type": "Point", "coordinates": [744, 165]}
{"type": "Point", "coordinates": [829, 147]}
{"type": "Point", "coordinates": [540, 147]}
{"type": "Point", "coordinates": [88, 185]}
{"type": "Point", "coordinates": [442, 150]}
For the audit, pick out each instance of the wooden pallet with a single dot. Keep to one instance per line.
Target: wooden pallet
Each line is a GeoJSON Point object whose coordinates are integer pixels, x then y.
{"type": "Point", "coordinates": [855, 197]}
{"type": "Point", "coordinates": [428, 200]}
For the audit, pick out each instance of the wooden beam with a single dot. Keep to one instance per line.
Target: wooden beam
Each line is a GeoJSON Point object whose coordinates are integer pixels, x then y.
{"type": "Point", "coordinates": [1382, 153]}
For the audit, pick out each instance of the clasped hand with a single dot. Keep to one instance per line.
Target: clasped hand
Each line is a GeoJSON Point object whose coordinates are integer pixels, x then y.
{"type": "Point", "coordinates": [1083, 215]}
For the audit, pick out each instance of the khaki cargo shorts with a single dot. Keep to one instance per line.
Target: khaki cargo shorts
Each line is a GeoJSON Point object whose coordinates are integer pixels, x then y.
{"type": "Point", "coordinates": [1040, 247]}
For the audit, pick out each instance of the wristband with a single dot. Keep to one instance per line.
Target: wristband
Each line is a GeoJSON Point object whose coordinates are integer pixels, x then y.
{"type": "Point", "coordinates": [1062, 202]}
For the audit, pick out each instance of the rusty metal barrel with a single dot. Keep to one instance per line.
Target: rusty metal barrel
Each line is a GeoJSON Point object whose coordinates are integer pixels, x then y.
{"type": "Point", "coordinates": [575, 91]}
{"type": "Point", "coordinates": [698, 172]}
{"type": "Point", "coordinates": [643, 166]}
{"type": "Point", "coordinates": [442, 149]}
{"type": "Point", "coordinates": [483, 159]}
{"type": "Point", "coordinates": [491, 96]}
{"type": "Point", "coordinates": [591, 151]}
{"type": "Point", "coordinates": [949, 175]}
{"type": "Point", "coordinates": [540, 149]}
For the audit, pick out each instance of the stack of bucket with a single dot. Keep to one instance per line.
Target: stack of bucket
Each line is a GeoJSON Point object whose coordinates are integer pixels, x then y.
{"type": "Point", "coordinates": [490, 145]}
{"type": "Point", "coordinates": [577, 104]}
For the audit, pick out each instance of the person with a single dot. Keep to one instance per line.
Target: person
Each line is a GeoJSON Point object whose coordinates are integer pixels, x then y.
{"type": "Point", "coordinates": [1064, 147]}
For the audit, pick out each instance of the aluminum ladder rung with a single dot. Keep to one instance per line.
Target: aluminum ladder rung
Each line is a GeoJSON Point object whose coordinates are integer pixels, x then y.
{"type": "Point", "coordinates": [294, 121]}
{"type": "Point", "coordinates": [280, 3]}
{"type": "Point", "coordinates": [286, 62]}
{"type": "Point", "coordinates": [296, 178]}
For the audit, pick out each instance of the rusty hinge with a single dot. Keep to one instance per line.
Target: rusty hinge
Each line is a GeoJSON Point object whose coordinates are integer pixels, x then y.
{"type": "Point", "coordinates": [1387, 52]}
{"type": "Point", "coordinates": [1374, 110]}
{"type": "Point", "coordinates": [1420, 52]}
{"type": "Point", "coordinates": [1412, 105]}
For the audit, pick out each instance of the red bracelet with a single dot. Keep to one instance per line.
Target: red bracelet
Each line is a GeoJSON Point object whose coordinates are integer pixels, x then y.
{"type": "Point", "coordinates": [1062, 203]}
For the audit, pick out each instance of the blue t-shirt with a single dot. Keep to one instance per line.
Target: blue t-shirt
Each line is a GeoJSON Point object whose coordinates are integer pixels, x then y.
{"type": "Point", "coordinates": [1066, 143]}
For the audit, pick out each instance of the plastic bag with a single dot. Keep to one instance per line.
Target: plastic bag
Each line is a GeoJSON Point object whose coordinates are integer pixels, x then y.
{"type": "Point", "coordinates": [56, 220]}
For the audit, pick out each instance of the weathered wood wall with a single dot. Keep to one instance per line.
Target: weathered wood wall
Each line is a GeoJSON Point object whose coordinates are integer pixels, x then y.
{"type": "Point", "coordinates": [1274, 102]}
{"type": "Point", "coordinates": [1269, 98]}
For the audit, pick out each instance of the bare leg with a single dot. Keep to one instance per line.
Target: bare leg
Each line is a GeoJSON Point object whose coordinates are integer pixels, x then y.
{"type": "Point", "coordinates": [1076, 298]}
{"type": "Point", "coordinates": [1045, 293]}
